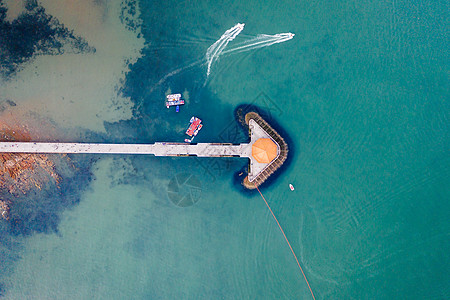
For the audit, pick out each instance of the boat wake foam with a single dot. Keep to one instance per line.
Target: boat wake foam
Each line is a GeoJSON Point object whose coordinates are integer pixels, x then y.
{"type": "Point", "coordinates": [262, 40]}
{"type": "Point", "coordinates": [215, 50]}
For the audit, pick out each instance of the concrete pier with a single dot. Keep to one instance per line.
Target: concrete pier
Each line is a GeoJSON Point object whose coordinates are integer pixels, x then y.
{"type": "Point", "coordinates": [157, 149]}
{"type": "Point", "coordinates": [258, 162]}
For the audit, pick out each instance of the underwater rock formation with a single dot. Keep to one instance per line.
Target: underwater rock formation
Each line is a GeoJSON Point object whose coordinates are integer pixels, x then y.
{"type": "Point", "coordinates": [4, 210]}
{"type": "Point", "coordinates": [32, 33]}
{"type": "Point", "coordinates": [20, 172]}
{"type": "Point", "coordinates": [24, 175]}
{"type": "Point", "coordinates": [37, 188]}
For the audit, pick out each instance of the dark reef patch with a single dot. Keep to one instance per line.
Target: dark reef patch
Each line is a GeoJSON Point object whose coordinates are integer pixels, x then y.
{"type": "Point", "coordinates": [34, 33]}
{"type": "Point", "coordinates": [128, 13]}
{"type": "Point", "coordinates": [39, 210]}
{"type": "Point", "coordinates": [4, 104]}
{"type": "Point", "coordinates": [174, 53]}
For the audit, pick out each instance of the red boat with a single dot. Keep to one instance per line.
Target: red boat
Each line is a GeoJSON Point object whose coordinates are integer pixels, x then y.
{"type": "Point", "coordinates": [194, 128]}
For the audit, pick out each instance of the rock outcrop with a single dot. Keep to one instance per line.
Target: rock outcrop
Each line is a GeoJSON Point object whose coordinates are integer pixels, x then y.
{"type": "Point", "coordinates": [20, 172]}
{"type": "Point", "coordinates": [4, 210]}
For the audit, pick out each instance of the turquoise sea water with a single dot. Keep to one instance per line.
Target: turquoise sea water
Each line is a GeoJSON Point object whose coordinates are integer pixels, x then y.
{"type": "Point", "coordinates": [361, 91]}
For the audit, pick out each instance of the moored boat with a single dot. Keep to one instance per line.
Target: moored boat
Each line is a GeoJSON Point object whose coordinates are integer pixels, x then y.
{"type": "Point", "coordinates": [193, 128]}
{"type": "Point", "coordinates": [174, 100]}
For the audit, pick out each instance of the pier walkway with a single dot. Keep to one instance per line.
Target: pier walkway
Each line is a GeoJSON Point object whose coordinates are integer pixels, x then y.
{"type": "Point", "coordinates": [157, 149]}
{"type": "Point", "coordinates": [255, 151]}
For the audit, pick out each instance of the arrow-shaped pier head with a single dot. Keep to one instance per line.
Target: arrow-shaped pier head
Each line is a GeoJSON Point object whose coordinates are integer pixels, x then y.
{"type": "Point", "coordinates": [266, 151]}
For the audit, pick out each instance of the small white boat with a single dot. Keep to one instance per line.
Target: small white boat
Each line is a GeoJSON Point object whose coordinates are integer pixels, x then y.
{"type": "Point", "coordinates": [174, 100]}
{"type": "Point", "coordinates": [291, 187]}
{"type": "Point", "coordinates": [173, 97]}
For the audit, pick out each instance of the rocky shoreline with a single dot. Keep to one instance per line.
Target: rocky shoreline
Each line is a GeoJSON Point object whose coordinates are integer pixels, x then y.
{"type": "Point", "coordinates": [21, 173]}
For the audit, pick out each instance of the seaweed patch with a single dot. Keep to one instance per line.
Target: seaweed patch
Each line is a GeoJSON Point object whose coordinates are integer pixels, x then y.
{"type": "Point", "coordinates": [32, 33]}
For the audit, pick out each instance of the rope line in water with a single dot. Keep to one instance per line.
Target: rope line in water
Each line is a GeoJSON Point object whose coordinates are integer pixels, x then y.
{"type": "Point", "coordinates": [287, 241]}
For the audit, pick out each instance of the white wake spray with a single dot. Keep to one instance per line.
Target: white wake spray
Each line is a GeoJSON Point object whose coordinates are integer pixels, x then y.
{"type": "Point", "coordinates": [262, 40]}
{"type": "Point", "coordinates": [215, 50]}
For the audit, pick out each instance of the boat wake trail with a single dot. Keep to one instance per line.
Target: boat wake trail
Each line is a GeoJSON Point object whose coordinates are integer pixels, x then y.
{"type": "Point", "coordinates": [215, 50]}
{"type": "Point", "coordinates": [262, 40]}
{"type": "Point", "coordinates": [175, 72]}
